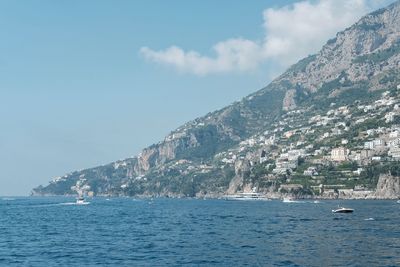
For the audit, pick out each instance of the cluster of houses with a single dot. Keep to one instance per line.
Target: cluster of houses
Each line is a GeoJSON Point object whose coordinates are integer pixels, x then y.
{"type": "Point", "coordinates": [275, 146]}
{"type": "Point", "coordinates": [385, 146]}
{"type": "Point", "coordinates": [288, 161]}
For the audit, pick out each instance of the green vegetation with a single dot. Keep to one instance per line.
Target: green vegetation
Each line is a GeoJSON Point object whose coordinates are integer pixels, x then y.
{"type": "Point", "coordinates": [379, 56]}
{"type": "Point", "coordinates": [302, 64]}
{"type": "Point", "coordinates": [211, 142]}
{"type": "Point", "coordinates": [370, 27]}
{"type": "Point", "coordinates": [331, 41]}
{"type": "Point", "coordinates": [268, 102]}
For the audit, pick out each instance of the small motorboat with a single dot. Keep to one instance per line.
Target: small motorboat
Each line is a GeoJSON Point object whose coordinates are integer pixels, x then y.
{"type": "Point", "coordinates": [342, 210]}
{"type": "Point", "coordinates": [81, 201]}
{"type": "Point", "coordinates": [81, 188]}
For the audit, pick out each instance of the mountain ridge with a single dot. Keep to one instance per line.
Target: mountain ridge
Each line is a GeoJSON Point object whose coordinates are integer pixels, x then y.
{"type": "Point", "coordinates": [347, 68]}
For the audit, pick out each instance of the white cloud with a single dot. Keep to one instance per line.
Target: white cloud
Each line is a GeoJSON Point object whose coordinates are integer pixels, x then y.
{"type": "Point", "coordinates": [233, 54]}
{"type": "Point", "coordinates": [291, 33]}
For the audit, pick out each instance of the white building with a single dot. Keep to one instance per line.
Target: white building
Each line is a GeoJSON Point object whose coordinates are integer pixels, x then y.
{"type": "Point", "coordinates": [378, 142]}
{"type": "Point", "coordinates": [270, 140]}
{"type": "Point", "coordinates": [370, 132]}
{"type": "Point", "coordinates": [394, 152]}
{"type": "Point", "coordinates": [311, 171]}
{"type": "Point", "coordinates": [369, 145]}
{"type": "Point", "coordinates": [390, 116]}
{"type": "Point", "coordinates": [295, 154]}
{"type": "Point", "coordinates": [339, 154]}
{"type": "Point", "coordinates": [394, 134]}
{"type": "Point", "coordinates": [394, 143]}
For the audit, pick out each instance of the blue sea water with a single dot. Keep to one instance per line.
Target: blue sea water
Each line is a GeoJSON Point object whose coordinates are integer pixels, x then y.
{"type": "Point", "coordinates": [188, 232]}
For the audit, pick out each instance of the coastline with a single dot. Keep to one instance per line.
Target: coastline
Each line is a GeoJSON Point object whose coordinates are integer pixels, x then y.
{"type": "Point", "coordinates": [272, 196]}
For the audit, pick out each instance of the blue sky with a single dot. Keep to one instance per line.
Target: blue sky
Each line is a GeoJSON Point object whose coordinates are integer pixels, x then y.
{"type": "Point", "coordinates": [84, 83]}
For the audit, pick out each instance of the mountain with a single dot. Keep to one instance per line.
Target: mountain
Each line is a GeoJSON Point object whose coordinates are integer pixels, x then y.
{"type": "Point", "coordinates": [238, 147]}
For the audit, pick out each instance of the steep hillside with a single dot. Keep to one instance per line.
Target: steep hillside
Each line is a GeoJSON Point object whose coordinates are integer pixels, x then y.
{"type": "Point", "coordinates": [356, 65]}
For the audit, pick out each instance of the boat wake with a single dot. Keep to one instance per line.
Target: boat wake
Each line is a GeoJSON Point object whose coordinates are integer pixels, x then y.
{"type": "Point", "coordinates": [285, 200]}
{"type": "Point", "coordinates": [75, 203]}
{"type": "Point", "coordinates": [66, 204]}
{"type": "Point", "coordinates": [8, 199]}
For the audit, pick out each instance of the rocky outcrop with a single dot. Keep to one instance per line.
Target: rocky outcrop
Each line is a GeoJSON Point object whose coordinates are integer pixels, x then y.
{"type": "Point", "coordinates": [388, 187]}
{"type": "Point", "coordinates": [242, 170]}
{"type": "Point", "coordinates": [289, 102]}
{"type": "Point", "coordinates": [156, 155]}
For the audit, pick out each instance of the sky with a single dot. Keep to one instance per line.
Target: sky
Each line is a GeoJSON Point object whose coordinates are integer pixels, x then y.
{"type": "Point", "coordinates": [85, 83]}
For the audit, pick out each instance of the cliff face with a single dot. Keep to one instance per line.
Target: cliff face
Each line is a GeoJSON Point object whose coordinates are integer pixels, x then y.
{"type": "Point", "coordinates": [350, 55]}
{"type": "Point", "coordinates": [388, 187]}
{"type": "Point", "coordinates": [360, 59]}
{"type": "Point", "coordinates": [157, 155]}
{"type": "Point", "coordinates": [242, 170]}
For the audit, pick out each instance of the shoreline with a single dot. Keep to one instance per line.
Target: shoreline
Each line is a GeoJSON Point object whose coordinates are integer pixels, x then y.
{"type": "Point", "coordinates": [222, 197]}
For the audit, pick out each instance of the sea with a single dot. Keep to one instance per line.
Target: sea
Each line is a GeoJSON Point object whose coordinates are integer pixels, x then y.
{"type": "Point", "coordinates": [54, 231]}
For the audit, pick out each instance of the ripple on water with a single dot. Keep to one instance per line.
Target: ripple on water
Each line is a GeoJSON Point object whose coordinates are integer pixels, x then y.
{"type": "Point", "coordinates": [46, 232]}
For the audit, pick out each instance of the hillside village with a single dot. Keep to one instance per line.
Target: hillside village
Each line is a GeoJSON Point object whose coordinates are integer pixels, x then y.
{"type": "Point", "coordinates": [329, 153]}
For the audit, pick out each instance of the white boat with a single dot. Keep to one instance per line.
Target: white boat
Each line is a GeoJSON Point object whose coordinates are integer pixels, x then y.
{"type": "Point", "coordinates": [398, 201]}
{"type": "Point", "coordinates": [81, 201]}
{"type": "Point", "coordinates": [342, 210]}
{"type": "Point", "coordinates": [81, 188]}
{"type": "Point", "coordinates": [247, 196]}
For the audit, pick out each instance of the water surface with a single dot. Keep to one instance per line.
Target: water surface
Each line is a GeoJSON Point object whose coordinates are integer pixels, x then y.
{"type": "Point", "coordinates": [186, 232]}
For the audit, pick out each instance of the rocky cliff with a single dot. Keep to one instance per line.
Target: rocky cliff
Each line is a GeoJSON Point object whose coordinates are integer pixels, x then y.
{"type": "Point", "coordinates": [361, 52]}
{"type": "Point", "coordinates": [388, 187]}
{"type": "Point", "coordinates": [359, 60]}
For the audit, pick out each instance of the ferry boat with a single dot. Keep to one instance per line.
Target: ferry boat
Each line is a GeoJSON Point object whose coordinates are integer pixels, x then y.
{"type": "Point", "coordinates": [247, 196]}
